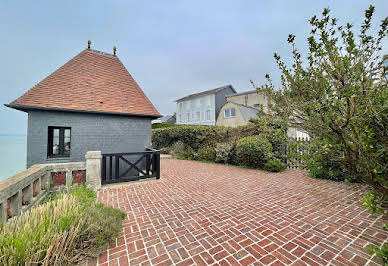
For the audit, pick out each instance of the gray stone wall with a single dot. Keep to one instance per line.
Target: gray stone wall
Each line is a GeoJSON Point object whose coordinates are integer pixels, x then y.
{"type": "Point", "coordinates": [89, 132]}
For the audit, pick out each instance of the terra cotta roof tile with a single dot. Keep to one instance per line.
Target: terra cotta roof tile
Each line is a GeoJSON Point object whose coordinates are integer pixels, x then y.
{"type": "Point", "coordinates": [91, 81]}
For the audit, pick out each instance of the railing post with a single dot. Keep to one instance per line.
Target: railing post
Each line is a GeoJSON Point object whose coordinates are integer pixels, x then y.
{"type": "Point", "coordinates": [117, 167]}
{"type": "Point", "coordinates": [38, 186]}
{"type": "Point", "coordinates": [28, 194]}
{"type": "Point", "coordinates": [157, 165]}
{"type": "Point", "coordinates": [93, 169]}
{"type": "Point", "coordinates": [3, 212]}
{"type": "Point", "coordinates": [68, 177]}
{"type": "Point", "coordinates": [148, 164]}
{"type": "Point", "coordinates": [16, 203]}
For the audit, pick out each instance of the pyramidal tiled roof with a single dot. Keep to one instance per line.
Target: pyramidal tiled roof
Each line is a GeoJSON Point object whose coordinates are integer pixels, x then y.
{"type": "Point", "coordinates": [91, 81]}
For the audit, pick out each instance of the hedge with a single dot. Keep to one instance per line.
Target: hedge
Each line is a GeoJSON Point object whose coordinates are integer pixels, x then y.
{"type": "Point", "coordinates": [163, 125]}
{"type": "Point", "coordinates": [200, 136]}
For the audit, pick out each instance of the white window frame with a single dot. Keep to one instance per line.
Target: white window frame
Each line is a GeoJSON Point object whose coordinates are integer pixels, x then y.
{"type": "Point", "coordinates": [208, 115]}
{"type": "Point", "coordinates": [228, 112]}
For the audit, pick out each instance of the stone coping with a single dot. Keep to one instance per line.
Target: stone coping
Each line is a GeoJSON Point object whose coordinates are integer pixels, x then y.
{"type": "Point", "coordinates": [11, 185]}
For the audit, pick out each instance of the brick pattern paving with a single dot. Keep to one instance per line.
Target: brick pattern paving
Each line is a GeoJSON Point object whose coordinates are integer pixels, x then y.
{"type": "Point", "coordinates": [207, 214]}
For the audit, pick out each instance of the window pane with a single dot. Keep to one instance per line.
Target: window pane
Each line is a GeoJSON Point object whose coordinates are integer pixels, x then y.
{"type": "Point", "coordinates": [232, 112]}
{"type": "Point", "coordinates": [55, 141]}
{"type": "Point", "coordinates": [66, 142]}
{"type": "Point", "coordinates": [227, 112]}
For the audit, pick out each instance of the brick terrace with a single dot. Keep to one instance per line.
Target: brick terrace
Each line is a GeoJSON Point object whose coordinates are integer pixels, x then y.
{"type": "Point", "coordinates": [206, 214]}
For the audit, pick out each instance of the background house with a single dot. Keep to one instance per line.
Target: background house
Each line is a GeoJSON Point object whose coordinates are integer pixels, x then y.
{"type": "Point", "coordinates": [202, 108]}
{"type": "Point", "coordinates": [90, 103]}
{"type": "Point", "coordinates": [241, 107]}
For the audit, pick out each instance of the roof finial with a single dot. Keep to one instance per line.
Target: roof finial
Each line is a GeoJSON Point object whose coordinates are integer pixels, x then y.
{"type": "Point", "coordinates": [114, 50]}
{"type": "Point", "coordinates": [89, 43]}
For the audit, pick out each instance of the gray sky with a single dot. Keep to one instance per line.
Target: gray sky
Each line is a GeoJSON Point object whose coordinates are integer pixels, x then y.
{"type": "Point", "coordinates": [171, 48]}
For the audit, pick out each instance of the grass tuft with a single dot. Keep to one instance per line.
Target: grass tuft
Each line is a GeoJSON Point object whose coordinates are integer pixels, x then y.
{"type": "Point", "coordinates": [65, 229]}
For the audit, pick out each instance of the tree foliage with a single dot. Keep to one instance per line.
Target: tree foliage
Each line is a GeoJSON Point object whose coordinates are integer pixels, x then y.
{"type": "Point", "coordinates": [339, 94]}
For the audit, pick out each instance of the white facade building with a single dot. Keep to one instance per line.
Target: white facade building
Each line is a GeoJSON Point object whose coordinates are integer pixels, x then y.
{"type": "Point", "coordinates": [202, 108]}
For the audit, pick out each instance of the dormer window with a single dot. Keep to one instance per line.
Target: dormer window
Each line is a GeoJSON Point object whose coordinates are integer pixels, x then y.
{"type": "Point", "coordinates": [230, 112]}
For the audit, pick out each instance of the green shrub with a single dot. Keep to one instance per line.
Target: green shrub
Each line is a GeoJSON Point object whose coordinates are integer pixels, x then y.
{"type": "Point", "coordinates": [163, 125]}
{"type": "Point", "coordinates": [380, 252]}
{"type": "Point", "coordinates": [206, 154]}
{"type": "Point", "coordinates": [165, 150]}
{"type": "Point", "coordinates": [66, 228]}
{"type": "Point", "coordinates": [188, 154]}
{"type": "Point", "coordinates": [254, 151]}
{"type": "Point", "coordinates": [274, 165]}
{"type": "Point", "coordinates": [233, 158]}
{"type": "Point", "coordinates": [325, 160]}
{"type": "Point", "coordinates": [223, 152]}
{"type": "Point", "coordinates": [177, 147]}
{"type": "Point", "coordinates": [200, 136]}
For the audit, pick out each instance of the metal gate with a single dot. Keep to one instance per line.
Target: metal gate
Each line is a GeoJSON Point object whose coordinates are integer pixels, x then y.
{"type": "Point", "coordinates": [131, 166]}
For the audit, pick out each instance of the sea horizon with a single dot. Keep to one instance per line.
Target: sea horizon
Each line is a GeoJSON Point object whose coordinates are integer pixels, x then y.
{"type": "Point", "coordinates": [13, 152]}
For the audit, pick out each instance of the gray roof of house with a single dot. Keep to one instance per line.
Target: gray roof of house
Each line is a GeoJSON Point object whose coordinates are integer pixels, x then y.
{"type": "Point", "coordinates": [194, 95]}
{"type": "Point", "coordinates": [248, 112]}
{"type": "Point", "coordinates": [242, 93]}
{"type": "Point", "coordinates": [165, 118]}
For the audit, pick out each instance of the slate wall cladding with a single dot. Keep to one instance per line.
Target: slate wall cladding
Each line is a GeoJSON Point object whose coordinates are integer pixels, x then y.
{"type": "Point", "coordinates": [89, 132]}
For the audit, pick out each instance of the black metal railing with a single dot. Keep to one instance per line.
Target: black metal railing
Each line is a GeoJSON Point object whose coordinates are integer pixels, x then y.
{"type": "Point", "coordinates": [131, 166]}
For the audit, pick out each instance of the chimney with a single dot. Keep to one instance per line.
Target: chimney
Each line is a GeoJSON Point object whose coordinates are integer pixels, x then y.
{"type": "Point", "coordinates": [114, 50]}
{"type": "Point", "coordinates": [89, 43]}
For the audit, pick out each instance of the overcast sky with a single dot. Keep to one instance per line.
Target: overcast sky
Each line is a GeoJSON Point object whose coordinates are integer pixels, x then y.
{"type": "Point", "coordinates": [171, 48]}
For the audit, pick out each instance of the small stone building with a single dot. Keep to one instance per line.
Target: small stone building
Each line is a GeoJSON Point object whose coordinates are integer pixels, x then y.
{"type": "Point", "coordinates": [90, 103]}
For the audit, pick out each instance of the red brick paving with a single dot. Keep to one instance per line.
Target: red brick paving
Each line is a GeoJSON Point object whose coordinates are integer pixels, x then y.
{"type": "Point", "coordinates": [206, 214]}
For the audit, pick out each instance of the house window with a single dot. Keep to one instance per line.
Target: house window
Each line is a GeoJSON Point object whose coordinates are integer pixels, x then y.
{"type": "Point", "coordinates": [231, 112]}
{"type": "Point", "coordinates": [208, 101]}
{"type": "Point", "coordinates": [59, 139]}
{"type": "Point", "coordinates": [188, 117]}
{"type": "Point", "coordinates": [208, 115]}
{"type": "Point", "coordinates": [198, 116]}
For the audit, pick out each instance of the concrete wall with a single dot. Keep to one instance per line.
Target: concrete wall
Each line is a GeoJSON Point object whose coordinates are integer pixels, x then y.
{"type": "Point", "coordinates": [238, 120]}
{"type": "Point", "coordinates": [89, 132]}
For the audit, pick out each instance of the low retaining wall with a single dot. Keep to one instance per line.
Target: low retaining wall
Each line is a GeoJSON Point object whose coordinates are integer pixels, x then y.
{"type": "Point", "coordinates": [26, 189]}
